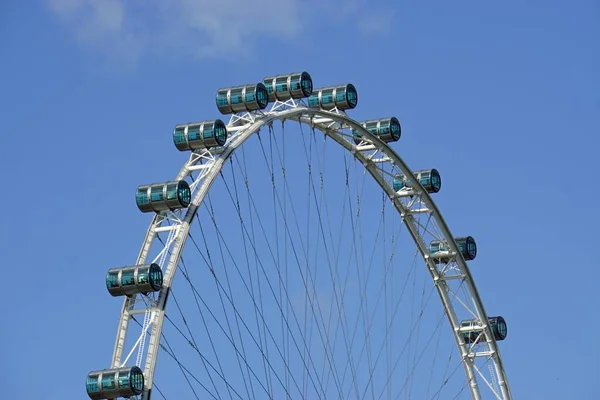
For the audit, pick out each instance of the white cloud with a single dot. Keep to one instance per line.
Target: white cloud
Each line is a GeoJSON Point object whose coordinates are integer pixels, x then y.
{"type": "Point", "coordinates": [377, 22]}
{"type": "Point", "coordinates": [199, 28]}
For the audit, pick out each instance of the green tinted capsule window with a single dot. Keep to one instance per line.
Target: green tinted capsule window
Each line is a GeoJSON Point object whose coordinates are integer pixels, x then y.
{"type": "Point", "coordinates": [327, 98]}
{"type": "Point", "coordinates": [295, 83]}
{"type": "Point", "coordinates": [269, 86]}
{"type": "Point", "coordinates": [499, 327]}
{"type": "Point", "coordinates": [395, 129]}
{"type": "Point", "coordinates": [127, 277]}
{"type": "Point", "coordinates": [468, 247]}
{"type": "Point", "coordinates": [179, 135]}
{"type": "Point", "coordinates": [372, 127]}
{"type": "Point", "coordinates": [222, 98]}
{"type": "Point", "coordinates": [156, 277]}
{"type": "Point", "coordinates": [398, 182]}
{"type": "Point", "coordinates": [436, 180]}
{"type": "Point", "coordinates": [108, 381]}
{"type": "Point", "coordinates": [250, 95]}
{"type": "Point", "coordinates": [156, 193]}
{"type": "Point", "coordinates": [112, 279]}
{"type": "Point", "coordinates": [124, 379]}
{"type": "Point", "coordinates": [184, 193]}
{"type": "Point", "coordinates": [351, 96]}
{"type": "Point", "coordinates": [262, 97]}
{"type": "Point", "coordinates": [194, 132]}
{"type": "Point", "coordinates": [220, 132]}
{"type": "Point", "coordinates": [92, 384]}
{"type": "Point", "coordinates": [384, 128]}
{"type": "Point", "coordinates": [281, 85]}
{"type": "Point", "coordinates": [313, 100]}
{"type": "Point", "coordinates": [136, 380]}
{"type": "Point", "coordinates": [236, 96]}
{"type": "Point", "coordinates": [306, 83]}
{"type": "Point", "coordinates": [143, 276]}
{"type": "Point", "coordinates": [172, 191]}
{"type": "Point", "coordinates": [208, 131]}
{"type": "Point", "coordinates": [141, 196]}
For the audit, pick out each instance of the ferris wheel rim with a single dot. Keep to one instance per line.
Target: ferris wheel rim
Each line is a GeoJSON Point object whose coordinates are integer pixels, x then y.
{"type": "Point", "coordinates": [308, 116]}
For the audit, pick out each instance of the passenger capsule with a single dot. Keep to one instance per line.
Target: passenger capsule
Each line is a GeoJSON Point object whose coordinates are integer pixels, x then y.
{"type": "Point", "coordinates": [127, 281]}
{"type": "Point", "coordinates": [115, 383]}
{"type": "Point", "coordinates": [386, 129]}
{"type": "Point", "coordinates": [244, 98]}
{"type": "Point", "coordinates": [466, 245]}
{"type": "Point", "coordinates": [291, 86]}
{"type": "Point", "coordinates": [497, 326]}
{"type": "Point", "coordinates": [342, 97]}
{"type": "Point", "coordinates": [200, 135]}
{"type": "Point", "coordinates": [429, 178]}
{"type": "Point", "coordinates": [164, 196]}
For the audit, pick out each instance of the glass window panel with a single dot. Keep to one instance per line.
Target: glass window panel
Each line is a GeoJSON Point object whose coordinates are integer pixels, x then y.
{"type": "Point", "coordinates": [156, 276]}
{"type": "Point", "coordinates": [295, 82]}
{"type": "Point", "coordinates": [269, 85]}
{"type": "Point", "coordinates": [137, 380]}
{"type": "Point", "coordinates": [220, 132]}
{"type": "Point", "coordinates": [307, 84]}
{"type": "Point", "coordinates": [179, 135]}
{"type": "Point", "coordinates": [143, 277]}
{"type": "Point", "coordinates": [127, 278]}
{"type": "Point", "coordinates": [123, 379]}
{"type": "Point", "coordinates": [108, 381]}
{"type": "Point", "coordinates": [208, 131]}
{"type": "Point", "coordinates": [281, 85]}
{"type": "Point", "coordinates": [112, 279]}
{"type": "Point", "coordinates": [194, 132]}
{"type": "Point", "coordinates": [262, 97]}
{"type": "Point", "coordinates": [250, 97]}
{"type": "Point", "coordinates": [222, 98]}
{"type": "Point", "coordinates": [501, 326]}
{"type": "Point", "coordinates": [327, 97]}
{"type": "Point", "coordinates": [92, 384]}
{"type": "Point", "coordinates": [156, 193]}
{"type": "Point", "coordinates": [172, 191]}
{"type": "Point", "coordinates": [384, 128]}
{"type": "Point", "coordinates": [352, 97]}
{"type": "Point", "coordinates": [236, 96]}
{"type": "Point", "coordinates": [372, 127]}
{"type": "Point", "coordinates": [141, 197]}
{"type": "Point", "coordinates": [185, 195]}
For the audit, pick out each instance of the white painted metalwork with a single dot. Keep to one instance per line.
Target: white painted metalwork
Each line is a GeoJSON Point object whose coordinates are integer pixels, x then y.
{"type": "Point", "coordinates": [408, 201]}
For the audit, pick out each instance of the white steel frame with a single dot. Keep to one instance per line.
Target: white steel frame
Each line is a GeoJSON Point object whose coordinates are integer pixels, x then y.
{"type": "Point", "coordinates": [370, 152]}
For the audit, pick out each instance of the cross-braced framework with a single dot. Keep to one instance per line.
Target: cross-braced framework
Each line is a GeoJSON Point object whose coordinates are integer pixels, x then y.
{"type": "Point", "coordinates": [453, 282]}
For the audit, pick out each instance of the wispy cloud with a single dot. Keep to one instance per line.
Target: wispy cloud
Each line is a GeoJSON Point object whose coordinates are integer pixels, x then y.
{"type": "Point", "coordinates": [201, 28]}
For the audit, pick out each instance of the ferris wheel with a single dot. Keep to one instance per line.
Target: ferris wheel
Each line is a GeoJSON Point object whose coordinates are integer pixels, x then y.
{"type": "Point", "coordinates": [310, 263]}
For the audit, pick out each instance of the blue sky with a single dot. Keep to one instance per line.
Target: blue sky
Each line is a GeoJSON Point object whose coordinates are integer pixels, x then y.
{"type": "Point", "coordinates": [503, 97]}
